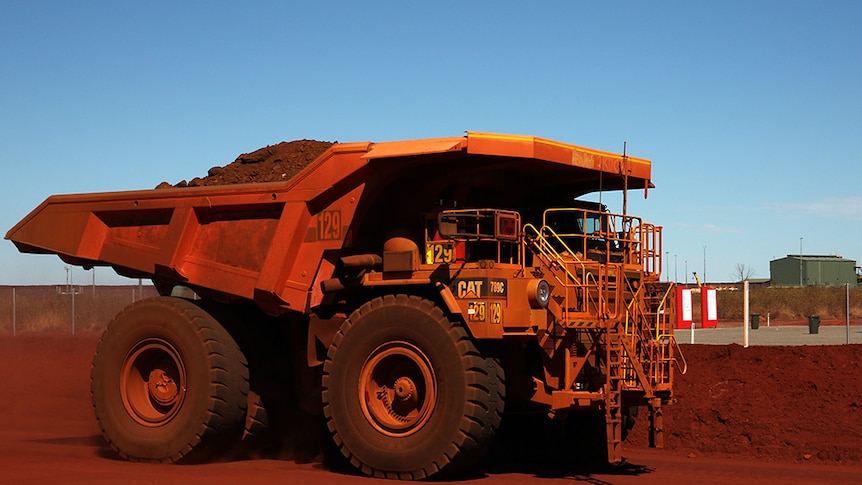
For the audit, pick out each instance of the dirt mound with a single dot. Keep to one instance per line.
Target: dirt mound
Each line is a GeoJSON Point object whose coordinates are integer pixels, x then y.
{"type": "Point", "coordinates": [771, 403]}
{"type": "Point", "coordinates": [272, 163]}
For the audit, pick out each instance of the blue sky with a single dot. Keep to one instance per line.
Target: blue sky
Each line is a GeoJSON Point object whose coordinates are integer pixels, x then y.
{"type": "Point", "coordinates": [751, 111]}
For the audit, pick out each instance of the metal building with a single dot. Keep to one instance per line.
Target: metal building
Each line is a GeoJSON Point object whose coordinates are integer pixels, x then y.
{"type": "Point", "coordinates": [812, 270]}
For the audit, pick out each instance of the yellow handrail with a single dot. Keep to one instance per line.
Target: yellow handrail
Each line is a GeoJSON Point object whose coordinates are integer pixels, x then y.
{"type": "Point", "coordinates": [542, 244]}
{"type": "Point", "coordinates": [684, 367]}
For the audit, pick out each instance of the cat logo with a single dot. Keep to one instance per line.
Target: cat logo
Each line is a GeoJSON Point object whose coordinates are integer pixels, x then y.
{"type": "Point", "coordinates": [469, 288]}
{"type": "Point", "coordinates": [479, 288]}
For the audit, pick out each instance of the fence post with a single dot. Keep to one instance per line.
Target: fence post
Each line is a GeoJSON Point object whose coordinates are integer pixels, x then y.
{"type": "Point", "coordinates": [73, 310]}
{"type": "Point", "coordinates": [745, 309]}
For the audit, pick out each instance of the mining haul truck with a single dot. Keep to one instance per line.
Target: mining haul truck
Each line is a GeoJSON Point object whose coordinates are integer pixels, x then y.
{"type": "Point", "coordinates": [411, 293]}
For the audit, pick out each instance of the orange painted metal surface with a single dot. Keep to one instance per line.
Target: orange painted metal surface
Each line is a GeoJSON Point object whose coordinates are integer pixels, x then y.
{"type": "Point", "coordinates": [269, 242]}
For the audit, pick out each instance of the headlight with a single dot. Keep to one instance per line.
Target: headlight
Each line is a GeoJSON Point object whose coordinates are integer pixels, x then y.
{"type": "Point", "coordinates": [539, 293]}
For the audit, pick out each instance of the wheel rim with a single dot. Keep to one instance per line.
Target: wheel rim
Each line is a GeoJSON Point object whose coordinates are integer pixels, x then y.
{"type": "Point", "coordinates": [153, 382]}
{"type": "Point", "coordinates": [397, 389]}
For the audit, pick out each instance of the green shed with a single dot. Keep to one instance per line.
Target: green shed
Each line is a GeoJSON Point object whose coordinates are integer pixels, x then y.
{"type": "Point", "coordinates": [812, 270]}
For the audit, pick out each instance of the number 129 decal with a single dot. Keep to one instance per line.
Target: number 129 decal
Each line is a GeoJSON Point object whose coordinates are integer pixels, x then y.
{"type": "Point", "coordinates": [495, 312]}
{"type": "Point", "coordinates": [437, 253]}
{"type": "Point", "coordinates": [480, 311]}
{"type": "Point", "coordinates": [329, 225]}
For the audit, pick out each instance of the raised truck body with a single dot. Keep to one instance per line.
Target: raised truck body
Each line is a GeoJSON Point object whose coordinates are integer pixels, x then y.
{"type": "Point", "coordinates": [413, 291]}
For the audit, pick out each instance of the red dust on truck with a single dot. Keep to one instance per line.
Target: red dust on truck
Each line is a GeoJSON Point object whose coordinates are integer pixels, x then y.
{"type": "Point", "coordinates": [410, 292]}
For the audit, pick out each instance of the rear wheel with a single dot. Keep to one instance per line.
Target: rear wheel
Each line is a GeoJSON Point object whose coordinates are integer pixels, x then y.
{"type": "Point", "coordinates": [406, 393]}
{"type": "Point", "coordinates": [168, 382]}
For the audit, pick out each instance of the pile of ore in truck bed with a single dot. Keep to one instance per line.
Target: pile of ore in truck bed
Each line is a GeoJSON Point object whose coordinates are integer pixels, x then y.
{"type": "Point", "coordinates": [271, 163]}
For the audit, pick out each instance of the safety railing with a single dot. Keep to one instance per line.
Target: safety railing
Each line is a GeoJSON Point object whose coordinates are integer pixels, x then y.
{"type": "Point", "coordinates": [589, 260]}
{"type": "Point", "coordinates": [651, 340]}
{"type": "Point", "coordinates": [590, 256]}
{"type": "Point", "coordinates": [606, 237]}
{"type": "Point", "coordinates": [583, 282]}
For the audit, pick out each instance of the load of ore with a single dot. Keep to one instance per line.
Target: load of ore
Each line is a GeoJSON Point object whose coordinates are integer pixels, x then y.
{"type": "Point", "coordinates": [273, 163]}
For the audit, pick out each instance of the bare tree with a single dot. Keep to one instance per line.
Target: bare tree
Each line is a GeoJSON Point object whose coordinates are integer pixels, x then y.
{"type": "Point", "coordinates": [743, 272]}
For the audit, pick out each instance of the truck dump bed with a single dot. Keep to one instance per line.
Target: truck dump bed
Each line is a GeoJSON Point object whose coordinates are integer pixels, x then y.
{"type": "Point", "coordinates": [273, 243]}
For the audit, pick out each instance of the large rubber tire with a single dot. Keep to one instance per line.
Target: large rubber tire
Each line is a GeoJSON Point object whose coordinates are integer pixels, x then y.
{"type": "Point", "coordinates": [406, 393]}
{"type": "Point", "coordinates": [168, 383]}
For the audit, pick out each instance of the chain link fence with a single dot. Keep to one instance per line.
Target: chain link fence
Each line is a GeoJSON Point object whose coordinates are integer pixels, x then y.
{"type": "Point", "coordinates": [65, 308]}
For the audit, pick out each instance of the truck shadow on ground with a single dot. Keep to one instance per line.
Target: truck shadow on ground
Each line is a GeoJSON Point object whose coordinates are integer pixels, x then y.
{"type": "Point", "coordinates": [524, 445]}
{"type": "Point", "coordinates": [528, 445]}
{"type": "Point", "coordinates": [534, 445]}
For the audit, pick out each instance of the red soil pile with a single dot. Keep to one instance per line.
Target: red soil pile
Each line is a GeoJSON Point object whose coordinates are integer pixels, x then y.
{"type": "Point", "coordinates": [801, 403]}
{"type": "Point", "coordinates": [273, 163]}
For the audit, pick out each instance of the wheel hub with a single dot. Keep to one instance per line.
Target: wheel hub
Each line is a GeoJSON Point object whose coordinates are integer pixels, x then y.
{"type": "Point", "coordinates": [404, 389]}
{"type": "Point", "coordinates": [152, 382]}
{"type": "Point", "coordinates": [162, 387]}
{"type": "Point", "coordinates": [398, 389]}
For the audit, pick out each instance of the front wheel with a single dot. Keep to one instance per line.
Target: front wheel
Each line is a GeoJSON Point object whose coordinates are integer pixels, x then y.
{"type": "Point", "coordinates": [406, 393]}
{"type": "Point", "coordinates": [168, 382]}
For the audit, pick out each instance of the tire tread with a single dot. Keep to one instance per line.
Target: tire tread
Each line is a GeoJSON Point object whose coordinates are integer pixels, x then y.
{"type": "Point", "coordinates": [484, 394]}
{"type": "Point", "coordinates": [229, 379]}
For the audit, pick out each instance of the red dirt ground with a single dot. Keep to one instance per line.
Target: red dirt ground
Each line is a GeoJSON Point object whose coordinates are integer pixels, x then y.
{"type": "Point", "coordinates": [745, 415]}
{"type": "Point", "coordinates": [793, 404]}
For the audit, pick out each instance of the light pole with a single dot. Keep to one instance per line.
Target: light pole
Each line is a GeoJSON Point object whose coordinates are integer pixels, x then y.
{"type": "Point", "coordinates": [667, 258]}
{"type": "Point", "coordinates": [704, 265]}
